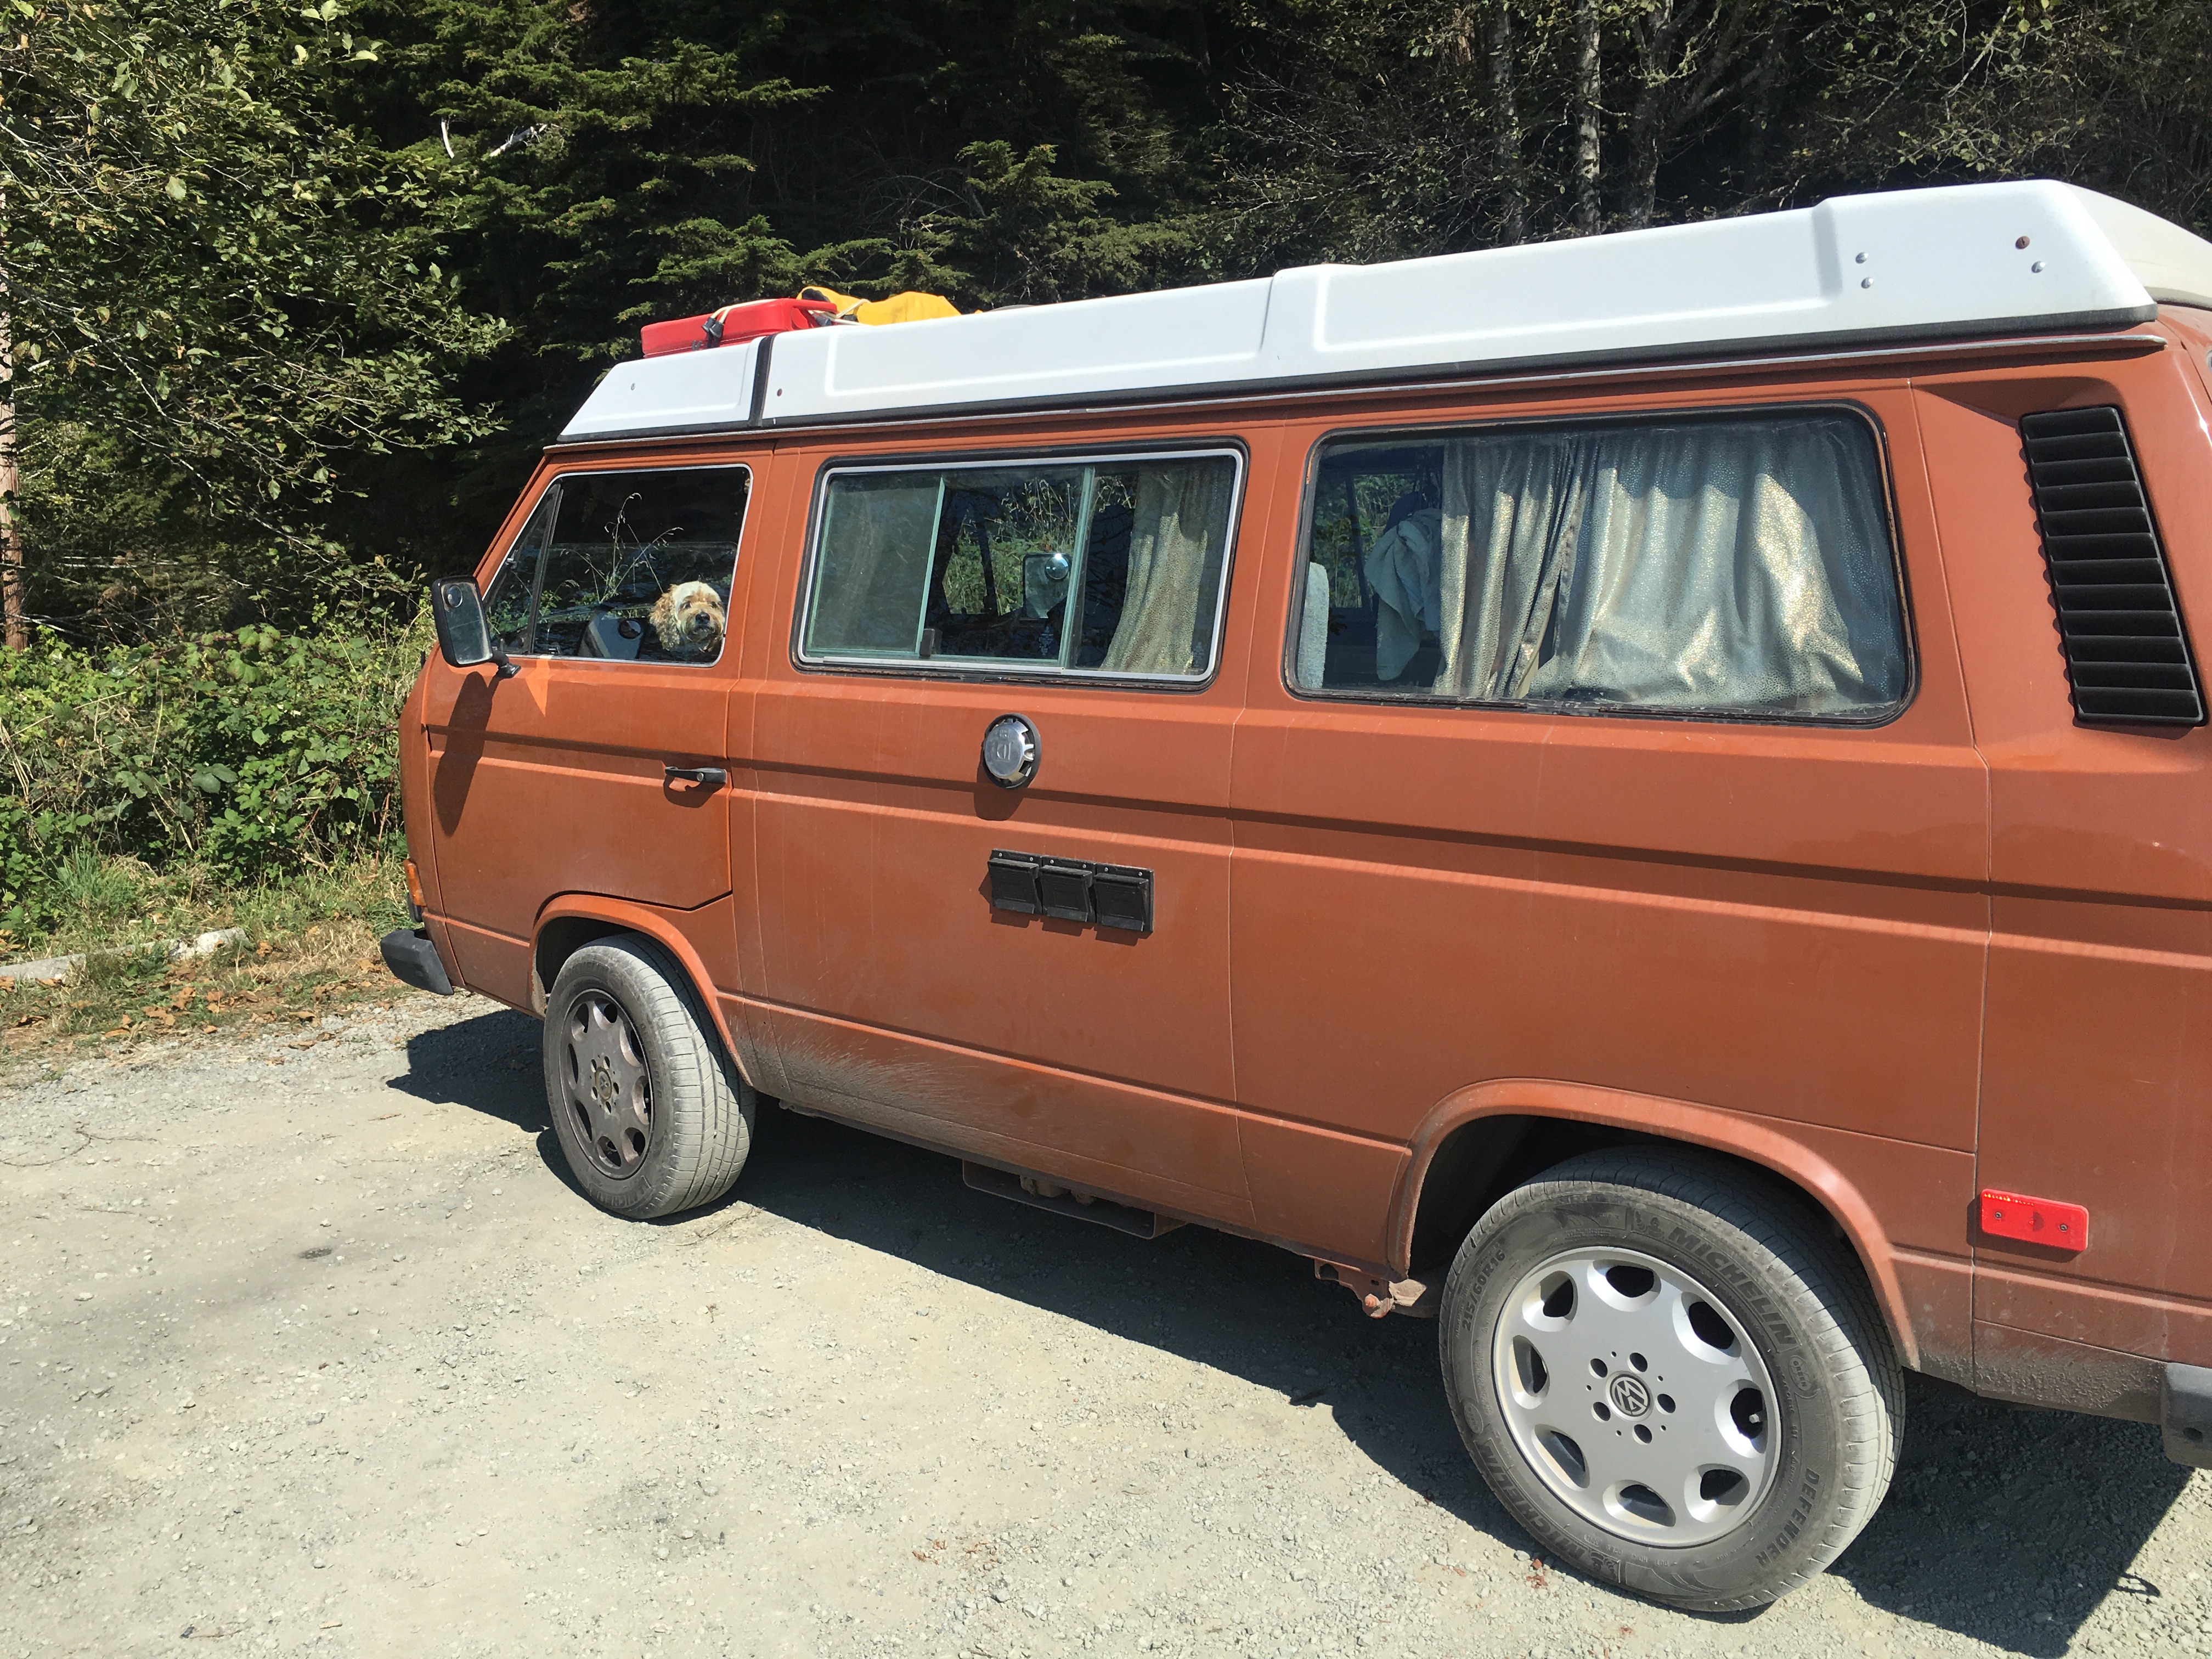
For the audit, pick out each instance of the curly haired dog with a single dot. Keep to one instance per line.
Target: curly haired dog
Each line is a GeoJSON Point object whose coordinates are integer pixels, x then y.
{"type": "Point", "coordinates": [690, 619]}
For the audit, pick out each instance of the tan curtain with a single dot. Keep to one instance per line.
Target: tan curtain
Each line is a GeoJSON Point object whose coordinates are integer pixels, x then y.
{"type": "Point", "coordinates": [877, 536]}
{"type": "Point", "coordinates": [1176, 543]}
{"type": "Point", "coordinates": [1696, 565]}
{"type": "Point", "coordinates": [1512, 516]}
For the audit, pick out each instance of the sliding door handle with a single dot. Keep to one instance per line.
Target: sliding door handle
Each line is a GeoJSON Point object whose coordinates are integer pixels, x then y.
{"type": "Point", "coordinates": [713, 776]}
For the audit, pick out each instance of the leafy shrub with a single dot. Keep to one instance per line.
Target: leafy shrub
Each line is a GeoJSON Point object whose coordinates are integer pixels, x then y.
{"type": "Point", "coordinates": [245, 755]}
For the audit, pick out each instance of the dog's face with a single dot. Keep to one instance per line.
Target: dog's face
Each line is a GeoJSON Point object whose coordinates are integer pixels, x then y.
{"type": "Point", "coordinates": [690, 619]}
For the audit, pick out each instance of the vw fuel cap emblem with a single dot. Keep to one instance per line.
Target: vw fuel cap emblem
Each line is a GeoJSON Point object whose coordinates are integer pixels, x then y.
{"type": "Point", "coordinates": [1009, 752]}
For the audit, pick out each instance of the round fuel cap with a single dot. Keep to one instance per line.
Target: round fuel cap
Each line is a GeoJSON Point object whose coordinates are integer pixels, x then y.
{"type": "Point", "coordinates": [1009, 752]}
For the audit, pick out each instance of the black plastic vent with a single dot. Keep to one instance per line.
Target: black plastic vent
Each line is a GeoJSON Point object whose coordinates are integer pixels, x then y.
{"type": "Point", "coordinates": [1071, 889]}
{"type": "Point", "coordinates": [2127, 652]}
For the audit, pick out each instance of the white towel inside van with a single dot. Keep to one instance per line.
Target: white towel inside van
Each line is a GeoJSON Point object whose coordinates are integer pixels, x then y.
{"type": "Point", "coordinates": [1402, 568]}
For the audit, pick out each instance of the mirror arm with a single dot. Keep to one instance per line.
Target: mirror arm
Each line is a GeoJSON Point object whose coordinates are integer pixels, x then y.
{"type": "Point", "coordinates": [509, 668]}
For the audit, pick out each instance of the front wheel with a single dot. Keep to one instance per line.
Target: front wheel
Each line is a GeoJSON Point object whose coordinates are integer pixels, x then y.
{"type": "Point", "coordinates": [1670, 1379]}
{"type": "Point", "coordinates": [652, 1114]}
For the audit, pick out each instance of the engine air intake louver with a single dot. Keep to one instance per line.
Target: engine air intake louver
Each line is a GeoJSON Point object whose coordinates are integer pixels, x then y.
{"type": "Point", "coordinates": [2127, 654]}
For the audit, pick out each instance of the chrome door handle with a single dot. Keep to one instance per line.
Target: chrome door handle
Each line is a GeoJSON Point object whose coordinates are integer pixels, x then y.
{"type": "Point", "coordinates": [714, 776]}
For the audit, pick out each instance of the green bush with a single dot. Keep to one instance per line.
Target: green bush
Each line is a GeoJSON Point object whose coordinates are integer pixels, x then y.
{"type": "Point", "coordinates": [245, 756]}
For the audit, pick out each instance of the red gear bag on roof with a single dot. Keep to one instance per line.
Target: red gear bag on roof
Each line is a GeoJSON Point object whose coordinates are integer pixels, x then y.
{"type": "Point", "coordinates": [732, 325]}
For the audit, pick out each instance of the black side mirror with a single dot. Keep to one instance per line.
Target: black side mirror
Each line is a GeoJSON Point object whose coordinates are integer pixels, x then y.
{"type": "Point", "coordinates": [464, 632]}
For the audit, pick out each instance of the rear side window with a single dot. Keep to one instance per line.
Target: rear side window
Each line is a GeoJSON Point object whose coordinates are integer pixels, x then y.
{"type": "Point", "coordinates": [624, 566]}
{"type": "Point", "coordinates": [1111, 567]}
{"type": "Point", "coordinates": [1734, 566]}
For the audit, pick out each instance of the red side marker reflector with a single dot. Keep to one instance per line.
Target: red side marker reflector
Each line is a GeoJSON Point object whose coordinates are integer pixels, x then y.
{"type": "Point", "coordinates": [2035, 1220]}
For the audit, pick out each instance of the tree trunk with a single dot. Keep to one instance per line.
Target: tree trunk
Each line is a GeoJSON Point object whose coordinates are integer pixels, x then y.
{"type": "Point", "coordinates": [1587, 215]}
{"type": "Point", "coordinates": [1648, 125]}
{"type": "Point", "coordinates": [17, 625]}
{"type": "Point", "coordinates": [1759, 99]}
{"type": "Point", "coordinates": [1506, 125]}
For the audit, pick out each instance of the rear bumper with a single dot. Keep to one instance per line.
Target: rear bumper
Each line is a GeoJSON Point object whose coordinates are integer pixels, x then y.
{"type": "Point", "coordinates": [414, 960]}
{"type": "Point", "coordinates": [2185, 1414]}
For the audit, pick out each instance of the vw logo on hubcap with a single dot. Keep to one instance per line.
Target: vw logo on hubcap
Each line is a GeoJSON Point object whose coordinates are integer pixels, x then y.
{"type": "Point", "coordinates": [1630, 1397]}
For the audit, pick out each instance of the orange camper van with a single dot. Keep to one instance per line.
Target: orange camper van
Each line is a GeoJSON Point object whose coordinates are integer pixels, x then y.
{"type": "Point", "coordinates": [1647, 797]}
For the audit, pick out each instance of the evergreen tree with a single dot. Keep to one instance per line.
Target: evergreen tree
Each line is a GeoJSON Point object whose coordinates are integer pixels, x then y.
{"type": "Point", "coordinates": [297, 295]}
{"type": "Point", "coordinates": [218, 299]}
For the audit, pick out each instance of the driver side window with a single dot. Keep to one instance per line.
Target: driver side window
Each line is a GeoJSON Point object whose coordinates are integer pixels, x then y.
{"type": "Point", "coordinates": [630, 566]}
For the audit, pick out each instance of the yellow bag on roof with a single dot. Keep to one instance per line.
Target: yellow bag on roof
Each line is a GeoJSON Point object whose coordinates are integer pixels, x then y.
{"type": "Point", "coordinates": [899, 309]}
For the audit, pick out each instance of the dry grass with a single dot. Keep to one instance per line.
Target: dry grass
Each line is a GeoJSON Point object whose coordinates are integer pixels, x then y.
{"type": "Point", "coordinates": [310, 949]}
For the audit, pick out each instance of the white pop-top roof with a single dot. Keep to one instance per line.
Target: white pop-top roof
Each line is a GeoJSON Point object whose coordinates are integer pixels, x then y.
{"type": "Point", "coordinates": [1959, 261]}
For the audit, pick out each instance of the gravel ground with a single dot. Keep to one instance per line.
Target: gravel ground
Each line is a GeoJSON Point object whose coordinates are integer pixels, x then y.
{"type": "Point", "coordinates": [315, 1351]}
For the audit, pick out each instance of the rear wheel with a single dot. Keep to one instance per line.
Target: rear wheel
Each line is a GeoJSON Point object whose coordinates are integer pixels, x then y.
{"type": "Point", "coordinates": [651, 1114]}
{"type": "Point", "coordinates": [1670, 1378]}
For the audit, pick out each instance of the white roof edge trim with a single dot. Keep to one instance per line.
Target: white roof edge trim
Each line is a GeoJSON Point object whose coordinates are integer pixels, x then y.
{"type": "Point", "coordinates": [1956, 262]}
{"type": "Point", "coordinates": [2100, 340]}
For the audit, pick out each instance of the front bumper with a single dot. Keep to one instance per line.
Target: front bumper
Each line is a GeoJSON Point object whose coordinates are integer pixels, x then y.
{"type": "Point", "coordinates": [412, 958]}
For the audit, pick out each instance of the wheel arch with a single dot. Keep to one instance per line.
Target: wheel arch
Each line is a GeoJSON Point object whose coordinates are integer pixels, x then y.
{"type": "Point", "coordinates": [1479, 1142]}
{"type": "Point", "coordinates": [568, 923]}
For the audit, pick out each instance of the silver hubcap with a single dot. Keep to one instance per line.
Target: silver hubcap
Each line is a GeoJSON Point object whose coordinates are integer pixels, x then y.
{"type": "Point", "coordinates": [1635, 1396]}
{"type": "Point", "coordinates": [606, 1091]}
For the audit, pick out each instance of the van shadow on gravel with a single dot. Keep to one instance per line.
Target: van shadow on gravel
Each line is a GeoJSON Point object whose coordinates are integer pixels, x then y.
{"type": "Point", "coordinates": [2009, 1525]}
{"type": "Point", "coordinates": [488, 1064]}
{"type": "Point", "coordinates": [2004, 1525]}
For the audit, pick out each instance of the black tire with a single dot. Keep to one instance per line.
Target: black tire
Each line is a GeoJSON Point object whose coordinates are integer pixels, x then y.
{"type": "Point", "coordinates": [1816, 1459]}
{"type": "Point", "coordinates": [651, 1113]}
